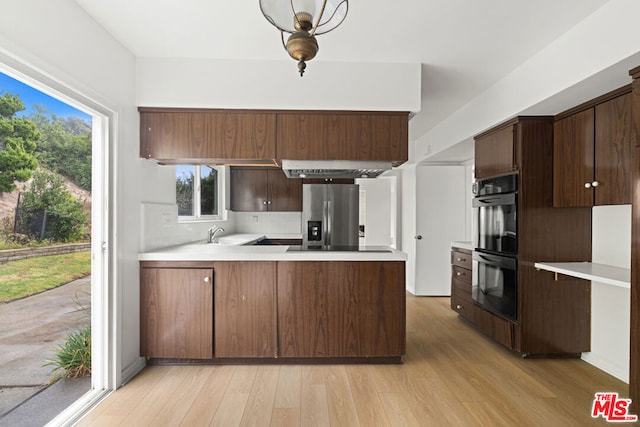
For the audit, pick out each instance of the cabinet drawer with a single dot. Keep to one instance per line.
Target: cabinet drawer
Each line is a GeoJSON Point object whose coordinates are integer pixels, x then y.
{"type": "Point", "coordinates": [461, 259]}
{"type": "Point", "coordinates": [460, 274]}
{"type": "Point", "coordinates": [461, 287]}
{"type": "Point", "coordinates": [463, 306]}
{"type": "Point", "coordinates": [496, 327]}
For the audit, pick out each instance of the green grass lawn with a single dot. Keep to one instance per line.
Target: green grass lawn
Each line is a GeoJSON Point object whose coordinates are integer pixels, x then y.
{"type": "Point", "coordinates": [19, 279]}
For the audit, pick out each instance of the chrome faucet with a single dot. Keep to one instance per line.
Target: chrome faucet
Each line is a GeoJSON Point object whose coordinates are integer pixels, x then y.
{"type": "Point", "coordinates": [211, 235]}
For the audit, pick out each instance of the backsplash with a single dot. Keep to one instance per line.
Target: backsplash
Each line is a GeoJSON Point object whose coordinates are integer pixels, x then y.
{"type": "Point", "coordinates": [160, 227]}
{"type": "Point", "coordinates": [268, 222]}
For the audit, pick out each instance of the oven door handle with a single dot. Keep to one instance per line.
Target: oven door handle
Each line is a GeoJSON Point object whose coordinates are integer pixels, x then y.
{"type": "Point", "coordinates": [495, 260]}
{"type": "Point", "coordinates": [500, 200]}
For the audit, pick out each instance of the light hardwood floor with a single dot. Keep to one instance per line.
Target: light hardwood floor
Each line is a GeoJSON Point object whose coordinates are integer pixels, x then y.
{"type": "Point", "coordinates": [452, 375]}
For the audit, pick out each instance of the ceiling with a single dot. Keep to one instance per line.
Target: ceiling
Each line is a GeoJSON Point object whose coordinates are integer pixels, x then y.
{"type": "Point", "coordinates": [464, 46]}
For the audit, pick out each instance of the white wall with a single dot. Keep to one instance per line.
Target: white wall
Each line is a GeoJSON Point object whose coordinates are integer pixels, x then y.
{"type": "Point", "coordinates": [545, 83]}
{"type": "Point", "coordinates": [271, 85]}
{"type": "Point", "coordinates": [407, 175]}
{"type": "Point", "coordinates": [610, 305]}
{"type": "Point", "coordinates": [60, 41]}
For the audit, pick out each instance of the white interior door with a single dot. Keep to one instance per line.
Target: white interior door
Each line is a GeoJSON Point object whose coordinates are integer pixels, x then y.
{"type": "Point", "coordinates": [440, 219]}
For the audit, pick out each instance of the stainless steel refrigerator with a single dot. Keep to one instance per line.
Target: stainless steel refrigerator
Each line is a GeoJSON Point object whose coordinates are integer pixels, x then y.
{"type": "Point", "coordinates": [330, 214]}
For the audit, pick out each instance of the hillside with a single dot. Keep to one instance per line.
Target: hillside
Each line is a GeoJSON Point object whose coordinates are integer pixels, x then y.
{"type": "Point", "coordinates": [8, 201]}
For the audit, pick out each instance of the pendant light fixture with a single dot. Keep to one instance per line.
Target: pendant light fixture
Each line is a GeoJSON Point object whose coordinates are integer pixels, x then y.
{"type": "Point", "coordinates": [303, 19]}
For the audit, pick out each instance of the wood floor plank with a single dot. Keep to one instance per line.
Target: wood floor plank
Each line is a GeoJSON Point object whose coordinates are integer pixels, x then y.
{"type": "Point", "coordinates": [314, 410]}
{"type": "Point", "coordinates": [312, 375]}
{"type": "Point", "coordinates": [398, 410]}
{"type": "Point", "coordinates": [285, 417]}
{"type": "Point", "coordinates": [230, 411]}
{"type": "Point", "coordinates": [175, 383]}
{"type": "Point", "coordinates": [174, 410]}
{"type": "Point", "coordinates": [125, 399]}
{"type": "Point", "coordinates": [242, 379]}
{"type": "Point", "coordinates": [342, 408]}
{"type": "Point", "coordinates": [261, 397]}
{"type": "Point", "coordinates": [365, 397]}
{"type": "Point", "coordinates": [452, 376]}
{"type": "Point", "coordinates": [204, 407]}
{"type": "Point", "coordinates": [289, 385]}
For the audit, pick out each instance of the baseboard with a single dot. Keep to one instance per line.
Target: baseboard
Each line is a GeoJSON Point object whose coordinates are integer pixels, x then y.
{"type": "Point", "coordinates": [604, 365]}
{"type": "Point", "coordinates": [132, 370]}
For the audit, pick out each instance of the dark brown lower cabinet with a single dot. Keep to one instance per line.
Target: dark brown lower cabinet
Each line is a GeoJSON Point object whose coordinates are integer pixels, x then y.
{"type": "Point", "coordinates": [245, 309]}
{"type": "Point", "coordinates": [176, 313]}
{"type": "Point", "coordinates": [341, 309]}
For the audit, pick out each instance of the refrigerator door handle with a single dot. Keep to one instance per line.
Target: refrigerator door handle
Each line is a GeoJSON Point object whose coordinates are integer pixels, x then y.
{"type": "Point", "coordinates": [328, 215]}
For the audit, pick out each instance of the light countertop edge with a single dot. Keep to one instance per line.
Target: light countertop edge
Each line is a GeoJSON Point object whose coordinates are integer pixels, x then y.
{"type": "Point", "coordinates": [600, 273]}
{"type": "Point", "coordinates": [462, 245]}
{"type": "Point", "coordinates": [231, 248]}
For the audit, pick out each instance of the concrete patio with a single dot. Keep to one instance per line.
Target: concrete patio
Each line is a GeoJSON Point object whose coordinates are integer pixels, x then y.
{"type": "Point", "coordinates": [30, 329]}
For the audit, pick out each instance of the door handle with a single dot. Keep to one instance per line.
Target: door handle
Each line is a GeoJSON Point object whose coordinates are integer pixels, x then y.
{"type": "Point", "coordinates": [419, 237]}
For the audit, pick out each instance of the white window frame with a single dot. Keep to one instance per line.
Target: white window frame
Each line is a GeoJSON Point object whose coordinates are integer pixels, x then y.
{"type": "Point", "coordinates": [197, 198]}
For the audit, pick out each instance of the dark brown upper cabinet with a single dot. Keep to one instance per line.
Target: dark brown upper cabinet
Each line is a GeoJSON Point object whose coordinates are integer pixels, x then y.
{"type": "Point", "coordinates": [343, 136]}
{"type": "Point", "coordinates": [206, 136]}
{"type": "Point", "coordinates": [495, 151]}
{"type": "Point", "coordinates": [592, 155]}
{"type": "Point", "coordinates": [261, 189]}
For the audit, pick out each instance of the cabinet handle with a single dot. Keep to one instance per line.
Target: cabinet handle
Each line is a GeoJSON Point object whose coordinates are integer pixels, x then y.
{"type": "Point", "coordinates": [587, 185]}
{"type": "Point", "coordinates": [458, 274]}
{"type": "Point", "coordinates": [458, 306]}
{"type": "Point", "coordinates": [595, 183]}
{"type": "Point", "coordinates": [461, 259]}
{"type": "Point", "coordinates": [264, 203]}
{"type": "Point", "coordinates": [206, 280]}
{"type": "Point", "coordinates": [419, 237]}
{"type": "Point", "coordinates": [269, 202]}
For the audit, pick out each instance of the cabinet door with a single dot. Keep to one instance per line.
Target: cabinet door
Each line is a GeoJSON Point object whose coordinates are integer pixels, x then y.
{"type": "Point", "coordinates": [573, 160]}
{"type": "Point", "coordinates": [343, 136]}
{"type": "Point", "coordinates": [249, 190]}
{"type": "Point", "coordinates": [197, 136]}
{"type": "Point", "coordinates": [176, 313]}
{"type": "Point", "coordinates": [613, 151]}
{"type": "Point", "coordinates": [341, 309]}
{"type": "Point", "coordinates": [285, 194]}
{"type": "Point", "coordinates": [245, 309]}
{"type": "Point", "coordinates": [495, 153]}
{"type": "Point", "coordinates": [173, 135]}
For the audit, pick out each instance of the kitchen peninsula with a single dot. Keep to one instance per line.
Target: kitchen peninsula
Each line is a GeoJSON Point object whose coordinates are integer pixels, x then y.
{"type": "Point", "coordinates": [237, 302]}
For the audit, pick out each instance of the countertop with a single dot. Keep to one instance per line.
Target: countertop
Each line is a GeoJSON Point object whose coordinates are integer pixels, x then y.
{"type": "Point", "coordinates": [462, 245]}
{"type": "Point", "coordinates": [601, 273]}
{"type": "Point", "coordinates": [230, 248]}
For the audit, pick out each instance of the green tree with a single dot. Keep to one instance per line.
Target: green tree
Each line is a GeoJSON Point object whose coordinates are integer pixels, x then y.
{"type": "Point", "coordinates": [184, 193]}
{"type": "Point", "coordinates": [64, 146]}
{"type": "Point", "coordinates": [66, 216]}
{"type": "Point", "coordinates": [18, 138]}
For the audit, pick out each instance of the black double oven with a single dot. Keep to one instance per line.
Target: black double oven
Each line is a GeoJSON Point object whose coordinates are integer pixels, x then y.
{"type": "Point", "coordinates": [495, 258]}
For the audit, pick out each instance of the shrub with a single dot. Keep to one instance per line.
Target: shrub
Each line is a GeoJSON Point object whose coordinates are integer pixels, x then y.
{"type": "Point", "coordinates": [65, 215]}
{"type": "Point", "coordinates": [72, 359]}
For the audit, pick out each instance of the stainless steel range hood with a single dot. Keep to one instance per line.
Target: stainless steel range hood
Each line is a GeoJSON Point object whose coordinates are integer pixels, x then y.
{"type": "Point", "coordinates": [334, 168]}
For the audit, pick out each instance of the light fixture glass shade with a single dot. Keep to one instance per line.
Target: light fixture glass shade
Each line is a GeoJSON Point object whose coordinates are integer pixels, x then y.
{"type": "Point", "coordinates": [281, 13]}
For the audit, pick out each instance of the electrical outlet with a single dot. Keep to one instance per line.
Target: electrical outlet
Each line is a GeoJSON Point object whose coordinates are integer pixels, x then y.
{"type": "Point", "coordinates": [166, 220]}
{"type": "Point", "coordinates": [255, 218]}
